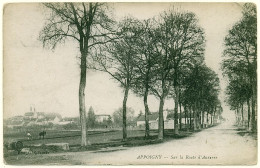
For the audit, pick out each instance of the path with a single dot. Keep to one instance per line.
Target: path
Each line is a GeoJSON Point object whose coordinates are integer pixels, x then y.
{"type": "Point", "coordinates": [217, 145]}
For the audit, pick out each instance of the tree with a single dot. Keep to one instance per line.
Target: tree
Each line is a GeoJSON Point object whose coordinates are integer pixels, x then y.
{"type": "Point", "coordinates": [86, 23]}
{"type": "Point", "coordinates": [145, 64]}
{"type": "Point", "coordinates": [109, 121]}
{"type": "Point", "coordinates": [140, 114]}
{"type": "Point", "coordinates": [240, 54]}
{"type": "Point", "coordinates": [117, 59]}
{"type": "Point", "coordinates": [91, 119]}
{"type": "Point", "coordinates": [161, 84]}
{"type": "Point", "coordinates": [201, 93]}
{"type": "Point", "coordinates": [118, 116]}
{"type": "Point", "coordinates": [238, 93]}
{"type": "Point", "coordinates": [183, 41]}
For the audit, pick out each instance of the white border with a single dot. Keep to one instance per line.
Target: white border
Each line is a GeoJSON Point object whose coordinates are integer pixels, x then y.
{"type": "Point", "coordinates": [3, 2]}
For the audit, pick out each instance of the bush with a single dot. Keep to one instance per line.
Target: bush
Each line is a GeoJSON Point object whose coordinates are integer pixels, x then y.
{"type": "Point", "coordinates": [70, 126]}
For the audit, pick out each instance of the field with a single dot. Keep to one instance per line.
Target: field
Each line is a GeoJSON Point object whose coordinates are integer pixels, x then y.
{"type": "Point", "coordinates": [98, 140]}
{"type": "Point", "coordinates": [72, 137]}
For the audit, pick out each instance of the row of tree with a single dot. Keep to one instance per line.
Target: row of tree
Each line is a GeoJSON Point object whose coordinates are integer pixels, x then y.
{"type": "Point", "coordinates": [161, 56]}
{"type": "Point", "coordinates": [240, 67]}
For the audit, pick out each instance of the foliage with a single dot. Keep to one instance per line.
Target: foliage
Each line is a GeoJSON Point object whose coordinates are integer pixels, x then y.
{"type": "Point", "coordinates": [140, 114]}
{"type": "Point", "coordinates": [71, 126]}
{"type": "Point", "coordinates": [91, 118]}
{"type": "Point", "coordinates": [240, 63]}
{"type": "Point", "coordinates": [118, 117]}
{"type": "Point", "coordinates": [161, 56]}
{"type": "Point", "coordinates": [86, 23]}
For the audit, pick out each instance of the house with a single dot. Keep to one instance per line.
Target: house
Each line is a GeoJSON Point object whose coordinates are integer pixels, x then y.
{"type": "Point", "coordinates": [16, 118]}
{"type": "Point", "coordinates": [41, 121]}
{"type": "Point", "coordinates": [102, 117]}
{"type": "Point", "coordinates": [182, 115]}
{"type": "Point", "coordinates": [15, 122]}
{"type": "Point", "coordinates": [71, 119]}
{"type": "Point", "coordinates": [153, 120]}
{"type": "Point", "coordinates": [53, 118]}
{"type": "Point", "coordinates": [40, 115]}
{"type": "Point", "coordinates": [168, 116]}
{"type": "Point", "coordinates": [68, 120]}
{"type": "Point", "coordinates": [30, 115]}
{"type": "Point", "coordinates": [63, 122]}
{"type": "Point", "coordinates": [33, 118]}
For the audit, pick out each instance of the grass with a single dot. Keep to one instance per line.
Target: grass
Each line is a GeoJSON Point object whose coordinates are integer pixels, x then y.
{"type": "Point", "coordinates": [74, 137]}
{"type": "Point", "coordinates": [99, 141]}
{"type": "Point", "coordinates": [246, 132]}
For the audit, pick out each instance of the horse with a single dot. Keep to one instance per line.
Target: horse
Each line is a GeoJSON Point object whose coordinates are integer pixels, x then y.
{"type": "Point", "coordinates": [42, 134]}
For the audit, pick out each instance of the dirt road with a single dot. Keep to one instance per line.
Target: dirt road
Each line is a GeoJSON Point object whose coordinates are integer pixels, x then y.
{"type": "Point", "coordinates": [215, 146]}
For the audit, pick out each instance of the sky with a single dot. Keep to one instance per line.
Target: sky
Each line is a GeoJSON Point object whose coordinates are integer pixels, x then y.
{"type": "Point", "coordinates": [49, 80]}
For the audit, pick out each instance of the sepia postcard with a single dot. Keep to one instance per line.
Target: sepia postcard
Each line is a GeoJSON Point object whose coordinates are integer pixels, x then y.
{"type": "Point", "coordinates": [130, 83]}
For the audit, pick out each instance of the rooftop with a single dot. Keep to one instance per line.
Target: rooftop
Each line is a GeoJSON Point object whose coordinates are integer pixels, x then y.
{"type": "Point", "coordinates": [152, 116]}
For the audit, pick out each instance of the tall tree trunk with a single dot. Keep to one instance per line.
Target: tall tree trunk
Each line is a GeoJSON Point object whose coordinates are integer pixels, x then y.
{"type": "Point", "coordinates": [253, 81]}
{"type": "Point", "coordinates": [180, 116]}
{"type": "Point", "coordinates": [253, 119]}
{"type": "Point", "coordinates": [199, 120]}
{"type": "Point", "coordinates": [185, 113]}
{"type": "Point", "coordinates": [160, 121]}
{"type": "Point", "coordinates": [124, 113]}
{"type": "Point", "coordinates": [238, 119]}
{"type": "Point", "coordinates": [190, 117]}
{"type": "Point", "coordinates": [176, 104]}
{"type": "Point", "coordinates": [211, 118]}
{"type": "Point", "coordinates": [203, 125]}
{"type": "Point", "coordinates": [82, 109]}
{"type": "Point", "coordinates": [207, 118]}
{"type": "Point", "coordinates": [242, 114]}
{"type": "Point", "coordinates": [176, 101]}
{"type": "Point", "coordinates": [194, 119]}
{"type": "Point", "coordinates": [199, 115]}
{"type": "Point", "coordinates": [248, 114]}
{"type": "Point", "coordinates": [214, 115]}
{"type": "Point", "coordinates": [195, 122]}
{"type": "Point", "coordinates": [147, 129]}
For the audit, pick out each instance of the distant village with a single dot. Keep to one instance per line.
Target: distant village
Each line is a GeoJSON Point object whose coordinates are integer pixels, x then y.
{"type": "Point", "coordinates": [34, 118]}
{"type": "Point", "coordinates": [42, 120]}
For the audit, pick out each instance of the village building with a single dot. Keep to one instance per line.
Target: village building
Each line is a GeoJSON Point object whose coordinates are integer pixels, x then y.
{"type": "Point", "coordinates": [168, 117]}
{"type": "Point", "coordinates": [102, 117]}
{"type": "Point", "coordinates": [15, 122]}
{"type": "Point", "coordinates": [153, 120]}
{"type": "Point", "coordinates": [71, 120]}
{"type": "Point", "coordinates": [53, 118]}
{"type": "Point", "coordinates": [33, 117]}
